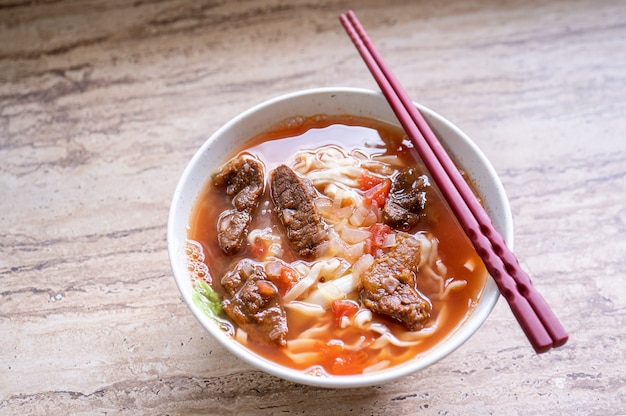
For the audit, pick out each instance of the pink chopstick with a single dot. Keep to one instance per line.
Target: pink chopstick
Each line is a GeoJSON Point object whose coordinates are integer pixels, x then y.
{"type": "Point", "coordinates": [541, 326]}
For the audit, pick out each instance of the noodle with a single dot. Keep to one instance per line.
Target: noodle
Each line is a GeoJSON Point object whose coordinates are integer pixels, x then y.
{"type": "Point", "coordinates": [305, 308]}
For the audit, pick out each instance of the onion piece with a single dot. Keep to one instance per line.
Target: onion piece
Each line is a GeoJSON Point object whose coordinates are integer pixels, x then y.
{"type": "Point", "coordinates": [241, 336]}
{"type": "Point", "coordinates": [362, 264]}
{"type": "Point", "coordinates": [389, 241]}
{"type": "Point", "coordinates": [332, 290]}
{"type": "Point", "coordinates": [354, 235]}
{"type": "Point", "coordinates": [357, 218]}
{"type": "Point", "coordinates": [354, 251]}
{"type": "Point", "coordinates": [372, 216]}
{"type": "Point", "coordinates": [323, 205]}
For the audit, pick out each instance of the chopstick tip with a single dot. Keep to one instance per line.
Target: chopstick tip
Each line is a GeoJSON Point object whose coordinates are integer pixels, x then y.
{"type": "Point", "coordinates": [349, 14]}
{"type": "Point", "coordinates": [562, 340]}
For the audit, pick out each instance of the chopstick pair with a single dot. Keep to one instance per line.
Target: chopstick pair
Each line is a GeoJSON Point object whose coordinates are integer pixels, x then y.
{"type": "Point", "coordinates": [541, 326]}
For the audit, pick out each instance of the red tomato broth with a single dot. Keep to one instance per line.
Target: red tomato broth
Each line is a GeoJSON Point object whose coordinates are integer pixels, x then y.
{"type": "Point", "coordinates": [373, 137]}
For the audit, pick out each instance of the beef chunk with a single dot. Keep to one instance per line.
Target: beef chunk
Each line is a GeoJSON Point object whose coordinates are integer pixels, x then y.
{"type": "Point", "coordinates": [232, 230]}
{"type": "Point", "coordinates": [389, 286]}
{"type": "Point", "coordinates": [252, 301]}
{"type": "Point", "coordinates": [293, 197]}
{"type": "Point", "coordinates": [404, 207]}
{"type": "Point", "coordinates": [244, 180]}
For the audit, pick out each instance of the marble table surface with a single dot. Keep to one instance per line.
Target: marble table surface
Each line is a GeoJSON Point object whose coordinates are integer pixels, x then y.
{"type": "Point", "coordinates": [103, 102]}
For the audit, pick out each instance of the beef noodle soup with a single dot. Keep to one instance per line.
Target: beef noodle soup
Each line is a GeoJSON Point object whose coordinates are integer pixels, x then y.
{"type": "Point", "coordinates": [324, 246]}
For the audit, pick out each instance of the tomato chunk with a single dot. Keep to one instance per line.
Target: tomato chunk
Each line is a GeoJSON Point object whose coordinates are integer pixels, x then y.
{"type": "Point", "coordinates": [339, 360]}
{"type": "Point", "coordinates": [378, 193]}
{"type": "Point", "coordinates": [367, 181]}
{"type": "Point", "coordinates": [284, 279]}
{"type": "Point", "coordinates": [378, 233]}
{"type": "Point", "coordinates": [344, 307]}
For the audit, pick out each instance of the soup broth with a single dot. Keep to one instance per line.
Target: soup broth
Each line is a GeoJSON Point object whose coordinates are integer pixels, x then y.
{"type": "Point", "coordinates": [329, 330]}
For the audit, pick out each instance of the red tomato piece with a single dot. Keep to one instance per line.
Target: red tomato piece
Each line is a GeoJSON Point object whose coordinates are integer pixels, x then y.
{"type": "Point", "coordinates": [378, 193]}
{"type": "Point", "coordinates": [344, 307]}
{"type": "Point", "coordinates": [367, 181]}
{"type": "Point", "coordinates": [285, 280]}
{"type": "Point", "coordinates": [378, 233]}
{"type": "Point", "coordinates": [342, 361]}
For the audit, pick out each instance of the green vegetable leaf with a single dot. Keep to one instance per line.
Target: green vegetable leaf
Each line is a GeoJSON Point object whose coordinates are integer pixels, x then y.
{"type": "Point", "coordinates": [206, 299]}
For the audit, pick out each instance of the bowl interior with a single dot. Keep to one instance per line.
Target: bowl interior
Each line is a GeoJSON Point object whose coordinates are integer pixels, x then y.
{"type": "Point", "coordinates": [359, 102]}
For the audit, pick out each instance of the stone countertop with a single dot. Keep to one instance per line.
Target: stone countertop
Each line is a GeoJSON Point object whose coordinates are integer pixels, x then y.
{"type": "Point", "coordinates": [102, 104]}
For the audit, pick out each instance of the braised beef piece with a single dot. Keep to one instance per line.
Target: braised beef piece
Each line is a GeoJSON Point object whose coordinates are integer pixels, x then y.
{"type": "Point", "coordinates": [293, 197]}
{"type": "Point", "coordinates": [244, 180]}
{"type": "Point", "coordinates": [243, 177]}
{"type": "Point", "coordinates": [232, 230]}
{"type": "Point", "coordinates": [252, 301]}
{"type": "Point", "coordinates": [404, 207]}
{"type": "Point", "coordinates": [389, 286]}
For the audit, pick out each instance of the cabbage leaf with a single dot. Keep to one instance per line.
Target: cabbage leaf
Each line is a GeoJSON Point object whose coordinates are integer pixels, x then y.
{"type": "Point", "coordinates": [205, 298]}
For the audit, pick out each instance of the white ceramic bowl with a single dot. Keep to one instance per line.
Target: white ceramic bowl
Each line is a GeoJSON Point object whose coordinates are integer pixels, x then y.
{"type": "Point", "coordinates": [358, 102]}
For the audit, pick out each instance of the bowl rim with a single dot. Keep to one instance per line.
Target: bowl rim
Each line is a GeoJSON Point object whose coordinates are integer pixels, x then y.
{"type": "Point", "coordinates": [447, 346]}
